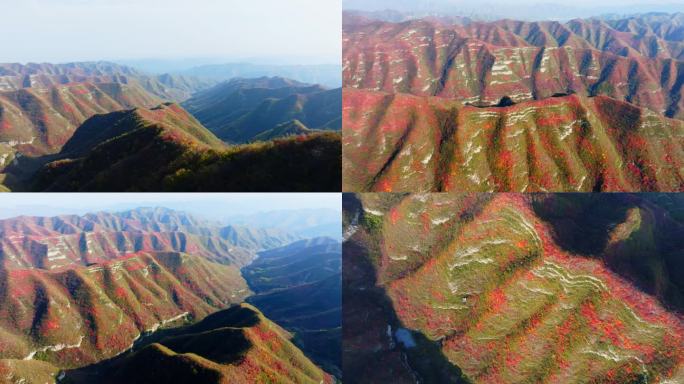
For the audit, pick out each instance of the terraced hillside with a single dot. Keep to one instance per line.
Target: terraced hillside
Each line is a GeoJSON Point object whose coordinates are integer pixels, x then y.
{"type": "Point", "coordinates": [244, 110]}
{"type": "Point", "coordinates": [454, 66]}
{"type": "Point", "coordinates": [46, 76]}
{"type": "Point", "coordinates": [79, 289]}
{"type": "Point", "coordinates": [510, 288]}
{"type": "Point", "coordinates": [166, 149]}
{"type": "Point", "coordinates": [299, 287]}
{"type": "Point", "coordinates": [41, 105]}
{"type": "Point", "coordinates": [482, 62]}
{"type": "Point", "coordinates": [64, 241]}
{"type": "Point", "coordinates": [401, 142]}
{"type": "Point", "coordinates": [78, 315]}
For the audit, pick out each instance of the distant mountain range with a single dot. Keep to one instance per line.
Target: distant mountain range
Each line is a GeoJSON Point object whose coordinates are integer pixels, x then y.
{"type": "Point", "coordinates": [326, 75]}
{"type": "Point", "coordinates": [100, 294]}
{"type": "Point", "coordinates": [305, 222]}
{"type": "Point", "coordinates": [242, 110]}
{"type": "Point", "coordinates": [97, 119]}
{"type": "Point", "coordinates": [491, 10]}
{"type": "Point", "coordinates": [585, 103]}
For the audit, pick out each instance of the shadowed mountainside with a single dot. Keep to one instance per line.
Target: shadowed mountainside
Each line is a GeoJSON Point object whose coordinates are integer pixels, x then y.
{"type": "Point", "coordinates": [241, 110]}
{"type": "Point", "coordinates": [165, 149]}
{"type": "Point", "coordinates": [299, 287]}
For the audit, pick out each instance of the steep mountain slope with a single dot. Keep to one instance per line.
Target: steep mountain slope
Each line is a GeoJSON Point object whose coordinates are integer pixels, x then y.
{"type": "Point", "coordinates": [237, 345]}
{"type": "Point", "coordinates": [299, 287]}
{"type": "Point", "coordinates": [38, 122]}
{"type": "Point", "coordinates": [397, 142]}
{"type": "Point", "coordinates": [79, 289]}
{"type": "Point", "coordinates": [497, 289]}
{"type": "Point", "coordinates": [52, 243]}
{"type": "Point", "coordinates": [77, 315]}
{"type": "Point", "coordinates": [436, 104]}
{"type": "Point", "coordinates": [239, 110]}
{"type": "Point", "coordinates": [290, 128]}
{"type": "Point", "coordinates": [42, 104]}
{"type": "Point", "coordinates": [166, 149]}
{"type": "Point", "coordinates": [482, 62]}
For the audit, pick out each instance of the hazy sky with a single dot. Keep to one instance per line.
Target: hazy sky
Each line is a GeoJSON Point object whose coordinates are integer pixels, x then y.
{"type": "Point", "coordinates": [78, 30]}
{"type": "Point", "coordinates": [215, 206]}
{"type": "Point", "coordinates": [523, 9]}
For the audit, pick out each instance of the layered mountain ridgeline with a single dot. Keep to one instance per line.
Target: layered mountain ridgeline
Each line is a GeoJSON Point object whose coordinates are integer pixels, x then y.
{"type": "Point", "coordinates": [329, 75]}
{"type": "Point", "coordinates": [78, 315]}
{"type": "Point", "coordinates": [63, 241]}
{"type": "Point", "coordinates": [80, 289]}
{"type": "Point", "coordinates": [47, 76]}
{"type": "Point", "coordinates": [628, 71]}
{"type": "Point", "coordinates": [482, 62]}
{"type": "Point", "coordinates": [496, 285]}
{"type": "Point", "coordinates": [166, 149]}
{"type": "Point", "coordinates": [120, 129]}
{"type": "Point", "coordinates": [299, 287]}
{"type": "Point", "coordinates": [42, 104]}
{"type": "Point", "coordinates": [400, 142]}
{"type": "Point", "coordinates": [243, 110]}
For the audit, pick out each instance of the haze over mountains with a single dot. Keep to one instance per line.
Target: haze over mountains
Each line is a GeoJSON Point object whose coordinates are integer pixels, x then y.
{"type": "Point", "coordinates": [531, 10]}
{"type": "Point", "coordinates": [513, 288]}
{"type": "Point", "coordinates": [79, 290]}
{"type": "Point", "coordinates": [585, 104]}
{"type": "Point", "coordinates": [42, 108]}
{"type": "Point", "coordinates": [242, 109]}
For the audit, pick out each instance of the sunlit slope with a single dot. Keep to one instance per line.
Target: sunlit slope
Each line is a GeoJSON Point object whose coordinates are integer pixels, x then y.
{"type": "Point", "coordinates": [400, 142]}
{"type": "Point", "coordinates": [42, 104]}
{"type": "Point", "coordinates": [506, 303]}
{"type": "Point", "coordinates": [79, 315]}
{"type": "Point", "coordinates": [38, 122]}
{"type": "Point", "coordinates": [56, 242]}
{"type": "Point", "coordinates": [481, 62]}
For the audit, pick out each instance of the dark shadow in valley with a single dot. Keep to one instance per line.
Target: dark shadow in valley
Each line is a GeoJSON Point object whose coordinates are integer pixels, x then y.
{"type": "Point", "coordinates": [371, 350]}
{"type": "Point", "coordinates": [581, 222]}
